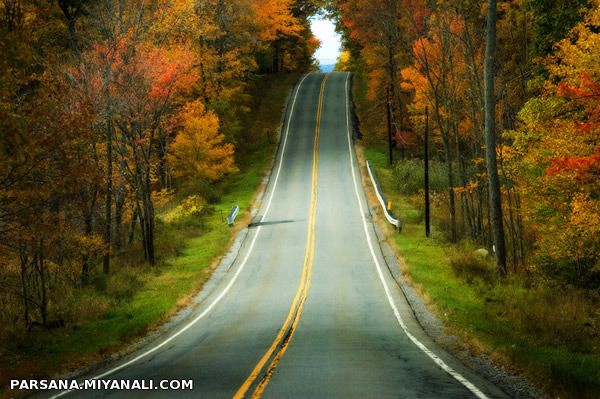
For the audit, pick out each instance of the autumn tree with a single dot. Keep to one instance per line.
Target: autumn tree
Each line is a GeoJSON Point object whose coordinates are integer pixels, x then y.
{"type": "Point", "coordinates": [72, 11]}
{"type": "Point", "coordinates": [198, 151]}
{"type": "Point", "coordinates": [44, 172]}
{"type": "Point", "coordinates": [440, 64]}
{"type": "Point", "coordinates": [107, 107]}
{"type": "Point", "coordinates": [374, 26]}
{"type": "Point", "coordinates": [557, 158]}
{"type": "Point", "coordinates": [287, 43]}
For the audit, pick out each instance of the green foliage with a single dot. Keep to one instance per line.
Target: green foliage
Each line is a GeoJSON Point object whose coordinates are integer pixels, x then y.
{"type": "Point", "coordinates": [409, 176]}
{"type": "Point", "coordinates": [552, 20]}
{"type": "Point", "coordinates": [582, 272]}
{"type": "Point", "coordinates": [539, 109]}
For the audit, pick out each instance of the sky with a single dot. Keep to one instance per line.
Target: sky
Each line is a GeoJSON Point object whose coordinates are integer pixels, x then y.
{"type": "Point", "coordinates": [324, 30]}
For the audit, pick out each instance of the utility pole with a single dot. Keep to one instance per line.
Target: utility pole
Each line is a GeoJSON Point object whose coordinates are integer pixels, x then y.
{"type": "Point", "coordinates": [426, 174]}
{"type": "Point", "coordinates": [389, 124]}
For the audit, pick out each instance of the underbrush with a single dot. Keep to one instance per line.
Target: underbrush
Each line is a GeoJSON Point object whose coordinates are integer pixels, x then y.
{"type": "Point", "coordinates": [552, 315]}
{"type": "Point", "coordinates": [408, 176]}
{"type": "Point", "coordinates": [471, 267]}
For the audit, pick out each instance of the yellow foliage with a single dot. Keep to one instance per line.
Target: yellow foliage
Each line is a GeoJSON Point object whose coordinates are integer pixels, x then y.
{"type": "Point", "coordinates": [343, 61]}
{"type": "Point", "coordinates": [198, 150]}
{"type": "Point", "coordinates": [579, 52]}
{"type": "Point", "coordinates": [585, 219]}
{"type": "Point", "coordinates": [191, 206]}
{"type": "Point", "coordinates": [88, 245]}
{"type": "Point", "coordinates": [550, 150]}
{"type": "Point", "coordinates": [175, 20]}
{"type": "Point", "coordinates": [274, 19]}
{"type": "Point", "coordinates": [162, 197]}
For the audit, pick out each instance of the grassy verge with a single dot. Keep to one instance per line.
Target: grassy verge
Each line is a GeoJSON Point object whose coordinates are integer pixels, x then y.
{"type": "Point", "coordinates": [532, 328]}
{"type": "Point", "coordinates": [135, 298]}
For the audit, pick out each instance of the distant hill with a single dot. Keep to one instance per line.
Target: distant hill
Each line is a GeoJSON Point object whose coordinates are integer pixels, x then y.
{"type": "Point", "coordinates": [327, 68]}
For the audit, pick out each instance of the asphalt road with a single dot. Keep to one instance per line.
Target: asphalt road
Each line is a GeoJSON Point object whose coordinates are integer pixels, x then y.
{"type": "Point", "coordinates": [307, 309]}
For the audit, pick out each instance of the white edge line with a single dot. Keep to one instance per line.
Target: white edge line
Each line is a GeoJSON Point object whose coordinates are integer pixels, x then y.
{"type": "Point", "coordinates": [233, 279]}
{"type": "Point", "coordinates": [469, 385]}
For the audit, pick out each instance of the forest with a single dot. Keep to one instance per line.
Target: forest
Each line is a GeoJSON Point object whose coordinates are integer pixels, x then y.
{"type": "Point", "coordinates": [119, 121]}
{"type": "Point", "coordinates": [546, 74]}
{"type": "Point", "coordinates": [127, 128]}
{"type": "Point", "coordinates": [524, 113]}
{"type": "Point", "coordinates": [107, 108]}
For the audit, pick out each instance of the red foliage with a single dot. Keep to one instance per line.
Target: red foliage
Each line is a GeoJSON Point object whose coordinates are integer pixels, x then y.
{"type": "Point", "coordinates": [587, 94]}
{"type": "Point", "coordinates": [418, 14]}
{"type": "Point", "coordinates": [582, 166]}
{"type": "Point", "coordinates": [587, 88]}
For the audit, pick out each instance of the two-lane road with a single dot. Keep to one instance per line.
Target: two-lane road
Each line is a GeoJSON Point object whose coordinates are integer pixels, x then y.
{"type": "Point", "coordinates": [307, 310]}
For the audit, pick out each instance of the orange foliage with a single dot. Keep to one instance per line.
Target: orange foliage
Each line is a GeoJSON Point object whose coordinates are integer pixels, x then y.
{"type": "Point", "coordinates": [274, 19]}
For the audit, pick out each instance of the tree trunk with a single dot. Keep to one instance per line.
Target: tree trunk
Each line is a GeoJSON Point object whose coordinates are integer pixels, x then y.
{"type": "Point", "coordinates": [391, 92]}
{"type": "Point", "coordinates": [88, 219]}
{"type": "Point", "coordinates": [513, 232]}
{"type": "Point", "coordinates": [119, 208]}
{"type": "Point", "coordinates": [162, 158]}
{"type": "Point", "coordinates": [426, 177]}
{"type": "Point", "coordinates": [480, 216]}
{"type": "Point", "coordinates": [520, 227]}
{"type": "Point", "coordinates": [460, 160]}
{"type": "Point", "coordinates": [389, 126]}
{"type": "Point", "coordinates": [85, 264]}
{"type": "Point", "coordinates": [134, 219]}
{"type": "Point", "coordinates": [24, 262]}
{"type": "Point", "coordinates": [277, 62]}
{"type": "Point", "coordinates": [149, 221]}
{"type": "Point", "coordinates": [444, 132]}
{"type": "Point", "coordinates": [497, 223]}
{"type": "Point", "coordinates": [142, 229]}
{"type": "Point", "coordinates": [71, 16]}
{"type": "Point", "coordinates": [120, 193]}
{"type": "Point", "coordinates": [451, 194]}
{"type": "Point", "coordinates": [109, 195]}
{"type": "Point", "coordinates": [44, 301]}
{"type": "Point", "coordinates": [73, 34]}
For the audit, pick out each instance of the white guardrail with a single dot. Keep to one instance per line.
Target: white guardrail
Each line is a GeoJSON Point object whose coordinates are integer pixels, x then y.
{"type": "Point", "coordinates": [390, 218]}
{"type": "Point", "coordinates": [232, 215]}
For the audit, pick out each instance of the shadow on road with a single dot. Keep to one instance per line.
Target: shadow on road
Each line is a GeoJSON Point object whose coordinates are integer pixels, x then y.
{"type": "Point", "coordinates": [256, 224]}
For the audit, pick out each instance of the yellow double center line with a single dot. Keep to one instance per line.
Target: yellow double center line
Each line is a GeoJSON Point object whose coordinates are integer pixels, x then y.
{"type": "Point", "coordinates": [286, 333]}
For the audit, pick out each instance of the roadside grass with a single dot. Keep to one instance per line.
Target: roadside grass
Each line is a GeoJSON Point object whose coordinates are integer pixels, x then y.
{"type": "Point", "coordinates": [135, 298]}
{"type": "Point", "coordinates": [549, 333]}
